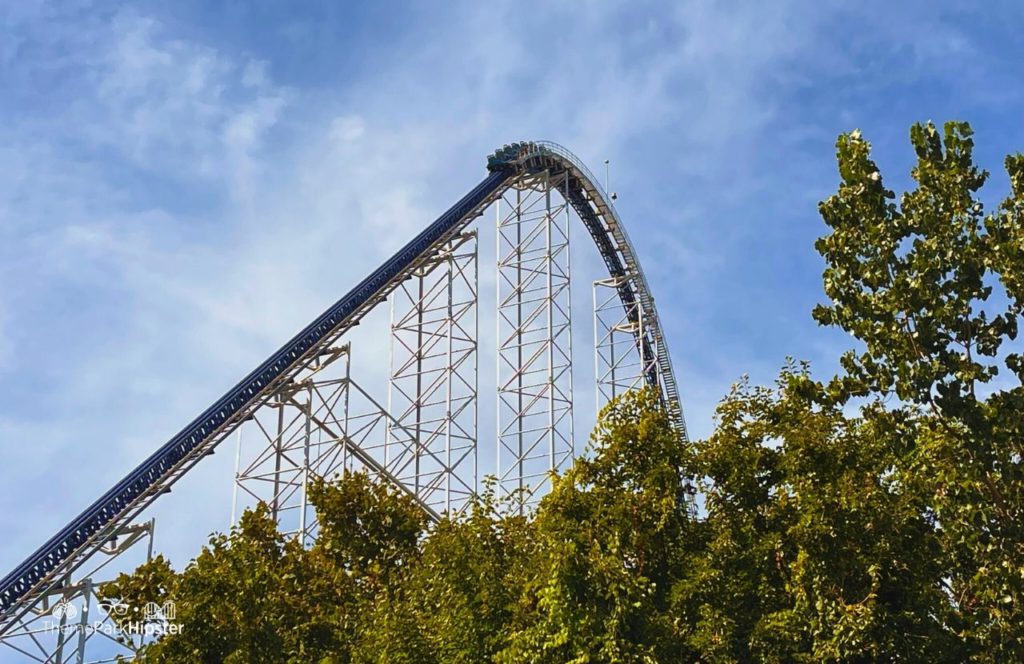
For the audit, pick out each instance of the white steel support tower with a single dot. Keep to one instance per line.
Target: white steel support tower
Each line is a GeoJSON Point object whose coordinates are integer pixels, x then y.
{"type": "Point", "coordinates": [301, 414]}
{"type": "Point", "coordinates": [71, 625]}
{"type": "Point", "coordinates": [621, 362]}
{"type": "Point", "coordinates": [302, 433]}
{"type": "Point", "coordinates": [316, 426]}
{"type": "Point", "coordinates": [534, 335]}
{"type": "Point", "coordinates": [433, 385]}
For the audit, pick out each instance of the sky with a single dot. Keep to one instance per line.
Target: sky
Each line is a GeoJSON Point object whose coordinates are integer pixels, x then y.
{"type": "Point", "coordinates": [185, 185]}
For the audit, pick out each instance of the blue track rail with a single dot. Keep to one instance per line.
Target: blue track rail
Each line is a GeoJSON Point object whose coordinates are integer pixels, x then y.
{"type": "Point", "coordinates": [52, 555]}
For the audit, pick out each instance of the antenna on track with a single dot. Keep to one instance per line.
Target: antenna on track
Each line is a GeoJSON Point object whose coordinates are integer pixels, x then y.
{"type": "Point", "coordinates": [606, 187]}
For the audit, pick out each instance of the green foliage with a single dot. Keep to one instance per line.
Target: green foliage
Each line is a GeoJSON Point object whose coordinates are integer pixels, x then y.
{"type": "Point", "coordinates": [934, 290]}
{"type": "Point", "coordinates": [873, 517]}
{"type": "Point", "coordinates": [254, 597]}
{"type": "Point", "coordinates": [609, 539]}
{"type": "Point", "coordinates": [816, 550]}
{"type": "Point", "coordinates": [462, 593]}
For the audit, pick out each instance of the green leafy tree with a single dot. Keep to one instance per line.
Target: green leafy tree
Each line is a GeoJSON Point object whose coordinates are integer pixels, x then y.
{"type": "Point", "coordinates": [464, 590]}
{"type": "Point", "coordinates": [872, 517]}
{"type": "Point", "coordinates": [817, 550]}
{"type": "Point", "coordinates": [609, 538]}
{"type": "Point", "coordinates": [933, 288]}
{"type": "Point", "coordinates": [253, 596]}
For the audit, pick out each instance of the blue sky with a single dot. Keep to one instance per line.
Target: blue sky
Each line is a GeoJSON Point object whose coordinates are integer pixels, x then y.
{"type": "Point", "coordinates": [186, 184]}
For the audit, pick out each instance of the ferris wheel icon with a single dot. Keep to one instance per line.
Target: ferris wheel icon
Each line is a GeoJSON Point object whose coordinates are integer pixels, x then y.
{"type": "Point", "coordinates": [64, 609]}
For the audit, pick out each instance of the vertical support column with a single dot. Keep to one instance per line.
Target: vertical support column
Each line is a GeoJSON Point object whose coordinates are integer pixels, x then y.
{"type": "Point", "coordinates": [83, 623]}
{"type": "Point", "coordinates": [535, 427]}
{"type": "Point", "coordinates": [432, 396]}
{"type": "Point", "coordinates": [624, 352]}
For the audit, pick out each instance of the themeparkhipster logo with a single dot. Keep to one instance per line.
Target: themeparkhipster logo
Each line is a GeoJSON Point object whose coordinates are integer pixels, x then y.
{"type": "Point", "coordinates": [152, 619]}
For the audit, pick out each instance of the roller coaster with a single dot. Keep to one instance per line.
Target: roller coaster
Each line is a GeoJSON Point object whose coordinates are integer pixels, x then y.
{"type": "Point", "coordinates": [424, 440]}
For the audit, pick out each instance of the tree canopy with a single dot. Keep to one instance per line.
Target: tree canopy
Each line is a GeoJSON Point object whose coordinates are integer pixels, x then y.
{"type": "Point", "coordinates": [873, 516]}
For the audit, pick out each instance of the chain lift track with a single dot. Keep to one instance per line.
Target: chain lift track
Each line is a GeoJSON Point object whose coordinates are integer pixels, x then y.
{"type": "Point", "coordinates": [70, 548]}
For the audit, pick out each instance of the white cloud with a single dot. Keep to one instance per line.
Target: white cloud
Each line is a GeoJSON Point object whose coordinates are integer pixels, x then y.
{"type": "Point", "coordinates": [171, 106]}
{"type": "Point", "coordinates": [347, 128]}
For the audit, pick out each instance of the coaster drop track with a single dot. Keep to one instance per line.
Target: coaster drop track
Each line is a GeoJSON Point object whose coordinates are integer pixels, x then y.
{"type": "Point", "coordinates": [56, 560]}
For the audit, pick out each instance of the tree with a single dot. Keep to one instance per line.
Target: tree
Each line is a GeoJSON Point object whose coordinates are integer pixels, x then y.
{"type": "Point", "coordinates": [816, 550]}
{"type": "Point", "coordinates": [875, 516]}
{"type": "Point", "coordinates": [463, 593]}
{"type": "Point", "coordinates": [253, 596]}
{"type": "Point", "coordinates": [917, 285]}
{"type": "Point", "coordinates": [610, 537]}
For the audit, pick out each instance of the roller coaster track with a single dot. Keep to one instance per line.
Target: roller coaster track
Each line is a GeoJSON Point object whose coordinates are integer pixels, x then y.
{"type": "Point", "coordinates": [55, 561]}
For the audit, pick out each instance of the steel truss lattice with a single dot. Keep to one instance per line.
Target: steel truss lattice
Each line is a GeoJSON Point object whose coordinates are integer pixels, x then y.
{"type": "Point", "coordinates": [321, 424]}
{"type": "Point", "coordinates": [69, 624]}
{"type": "Point", "coordinates": [534, 418]}
{"type": "Point", "coordinates": [621, 361]}
{"type": "Point", "coordinates": [434, 377]}
{"type": "Point", "coordinates": [299, 414]}
{"type": "Point", "coordinates": [301, 433]}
